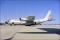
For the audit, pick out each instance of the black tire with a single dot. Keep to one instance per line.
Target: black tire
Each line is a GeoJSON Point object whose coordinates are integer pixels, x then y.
{"type": "Point", "coordinates": [6, 22]}
{"type": "Point", "coordinates": [27, 25]}
{"type": "Point", "coordinates": [40, 23]}
{"type": "Point", "coordinates": [35, 23]}
{"type": "Point", "coordinates": [12, 24]}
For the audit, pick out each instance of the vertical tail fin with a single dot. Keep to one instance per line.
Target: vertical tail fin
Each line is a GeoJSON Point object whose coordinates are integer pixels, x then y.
{"type": "Point", "coordinates": [48, 16]}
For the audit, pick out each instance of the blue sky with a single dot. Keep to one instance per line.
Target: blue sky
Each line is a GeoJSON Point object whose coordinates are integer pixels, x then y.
{"type": "Point", "coordinates": [22, 8]}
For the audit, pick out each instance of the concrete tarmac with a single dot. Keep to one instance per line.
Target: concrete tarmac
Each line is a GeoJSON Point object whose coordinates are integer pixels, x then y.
{"type": "Point", "coordinates": [34, 32]}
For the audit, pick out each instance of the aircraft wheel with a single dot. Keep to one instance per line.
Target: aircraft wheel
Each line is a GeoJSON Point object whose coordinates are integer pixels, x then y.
{"type": "Point", "coordinates": [6, 22]}
{"type": "Point", "coordinates": [35, 23]}
{"type": "Point", "coordinates": [40, 24]}
{"type": "Point", "coordinates": [12, 24]}
{"type": "Point", "coordinates": [27, 24]}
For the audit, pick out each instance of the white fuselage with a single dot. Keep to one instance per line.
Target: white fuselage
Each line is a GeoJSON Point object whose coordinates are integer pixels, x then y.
{"type": "Point", "coordinates": [23, 21]}
{"type": "Point", "coordinates": [16, 22]}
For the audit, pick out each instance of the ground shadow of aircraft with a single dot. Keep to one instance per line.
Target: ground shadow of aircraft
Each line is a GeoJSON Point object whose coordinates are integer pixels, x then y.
{"type": "Point", "coordinates": [49, 31]}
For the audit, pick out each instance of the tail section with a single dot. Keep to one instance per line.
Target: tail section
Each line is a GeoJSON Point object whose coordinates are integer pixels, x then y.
{"type": "Point", "coordinates": [48, 16]}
